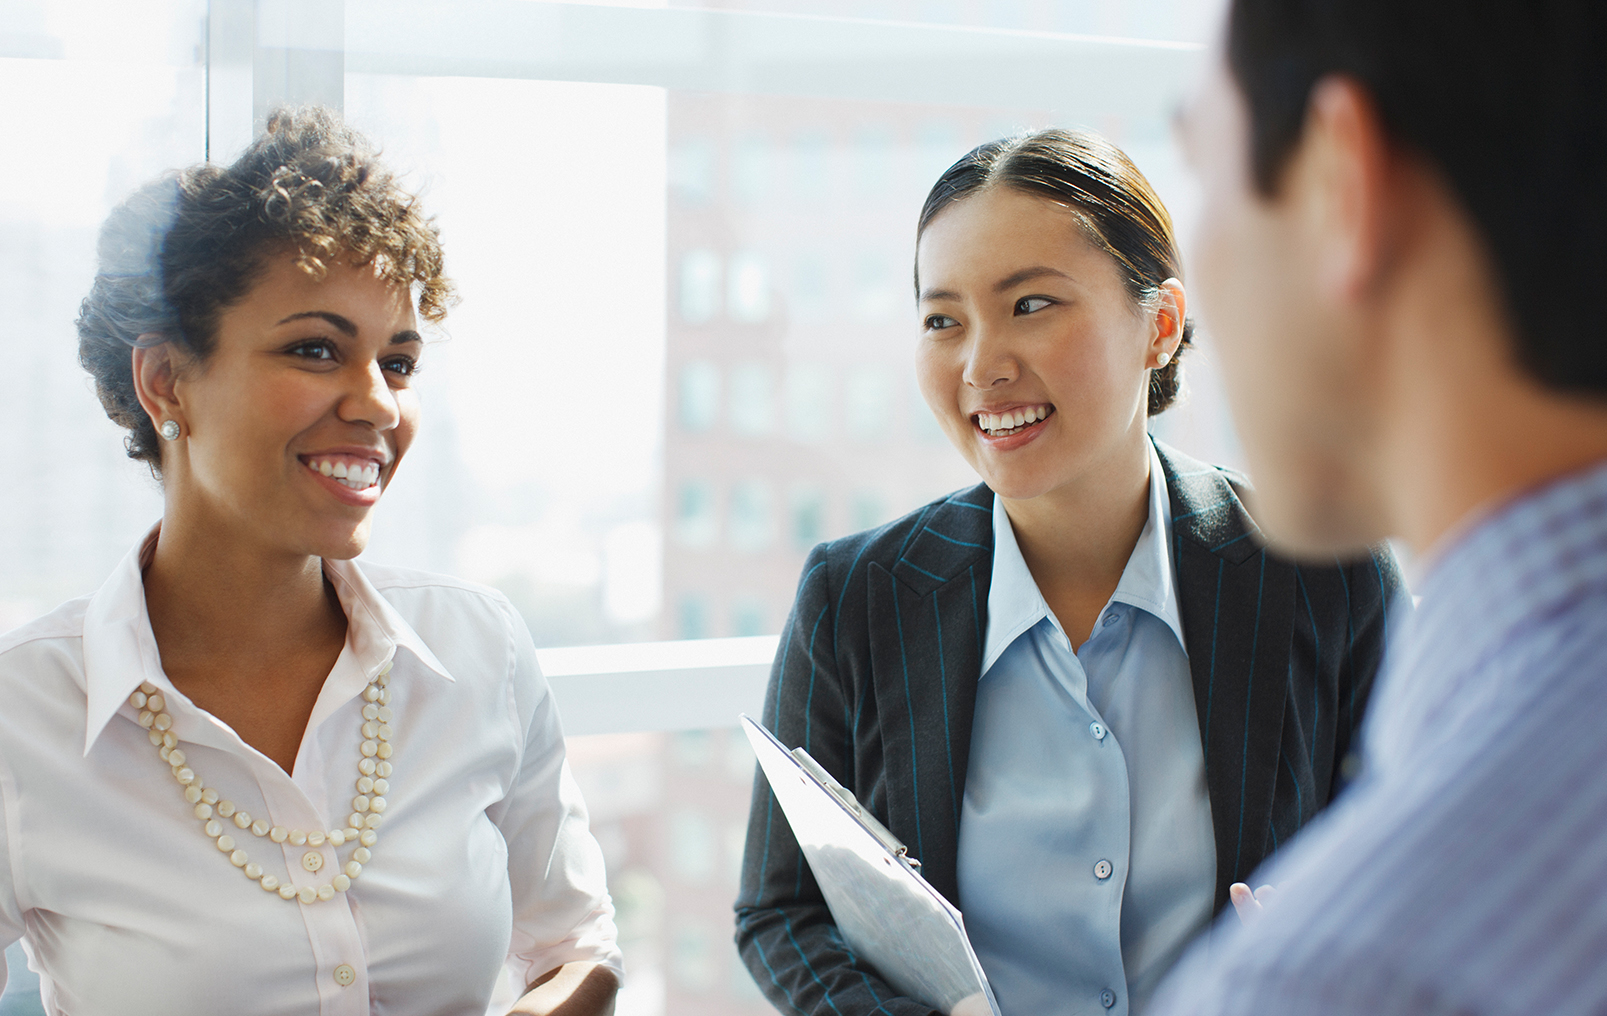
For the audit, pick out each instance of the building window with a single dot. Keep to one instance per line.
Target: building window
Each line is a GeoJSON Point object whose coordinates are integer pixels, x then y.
{"type": "Point", "coordinates": [700, 286]}
{"type": "Point", "coordinates": [691, 171]}
{"type": "Point", "coordinates": [809, 300]}
{"type": "Point", "coordinates": [809, 414]}
{"type": "Point", "coordinates": [878, 292]}
{"type": "Point", "coordinates": [752, 399]}
{"type": "Point", "coordinates": [1016, 13]}
{"type": "Point", "coordinates": [807, 513]}
{"type": "Point", "coordinates": [692, 845]}
{"type": "Point", "coordinates": [697, 522]}
{"type": "Point", "coordinates": [695, 965]}
{"type": "Point", "coordinates": [748, 288]}
{"type": "Point", "coordinates": [923, 423]}
{"type": "Point", "coordinates": [748, 617]}
{"type": "Point", "coordinates": [811, 167]}
{"type": "Point", "coordinates": [751, 170]}
{"type": "Point", "coordinates": [751, 525]}
{"type": "Point", "coordinates": [873, 150]}
{"type": "Point", "coordinates": [700, 396]}
{"type": "Point", "coordinates": [694, 619]}
{"type": "Point", "coordinates": [692, 749]}
{"type": "Point", "coordinates": [937, 147]}
{"type": "Point", "coordinates": [869, 409]}
{"type": "Point", "coordinates": [736, 837]}
{"type": "Point", "coordinates": [633, 572]}
{"type": "Point", "coordinates": [866, 509]}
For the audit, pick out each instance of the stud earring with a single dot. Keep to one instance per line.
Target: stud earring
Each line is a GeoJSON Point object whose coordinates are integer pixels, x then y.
{"type": "Point", "coordinates": [169, 430]}
{"type": "Point", "coordinates": [1161, 361]}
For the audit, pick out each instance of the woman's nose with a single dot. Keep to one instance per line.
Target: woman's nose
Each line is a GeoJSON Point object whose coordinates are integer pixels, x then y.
{"type": "Point", "coordinates": [989, 363]}
{"type": "Point", "coordinates": [371, 400]}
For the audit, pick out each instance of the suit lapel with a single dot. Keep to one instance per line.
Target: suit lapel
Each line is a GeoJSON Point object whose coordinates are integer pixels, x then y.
{"type": "Point", "coordinates": [1237, 606]}
{"type": "Point", "coordinates": [926, 627]}
{"type": "Point", "coordinates": [927, 619]}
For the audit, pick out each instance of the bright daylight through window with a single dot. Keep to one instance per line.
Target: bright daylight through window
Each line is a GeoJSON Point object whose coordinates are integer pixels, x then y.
{"type": "Point", "coordinates": [682, 233]}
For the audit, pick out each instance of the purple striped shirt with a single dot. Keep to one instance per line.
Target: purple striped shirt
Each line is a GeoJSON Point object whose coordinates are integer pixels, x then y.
{"type": "Point", "coordinates": [1466, 870]}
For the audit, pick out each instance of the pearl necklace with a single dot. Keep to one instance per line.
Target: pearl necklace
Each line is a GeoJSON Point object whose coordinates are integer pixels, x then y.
{"type": "Point", "coordinates": [362, 825]}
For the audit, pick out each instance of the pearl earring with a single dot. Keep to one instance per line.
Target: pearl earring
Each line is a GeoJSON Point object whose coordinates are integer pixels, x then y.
{"type": "Point", "coordinates": [170, 430]}
{"type": "Point", "coordinates": [1163, 359]}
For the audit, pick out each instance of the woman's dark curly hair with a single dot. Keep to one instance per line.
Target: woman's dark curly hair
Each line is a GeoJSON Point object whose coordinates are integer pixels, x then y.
{"type": "Point", "coordinates": [186, 246]}
{"type": "Point", "coordinates": [1121, 213]}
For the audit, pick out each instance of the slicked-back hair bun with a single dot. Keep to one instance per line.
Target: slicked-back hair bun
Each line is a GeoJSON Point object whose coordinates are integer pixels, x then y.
{"type": "Point", "coordinates": [1120, 212]}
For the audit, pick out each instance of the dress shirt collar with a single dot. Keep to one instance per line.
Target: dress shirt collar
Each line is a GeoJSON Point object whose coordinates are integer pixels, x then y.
{"type": "Point", "coordinates": [120, 649]}
{"type": "Point", "coordinates": [1528, 559]}
{"type": "Point", "coordinates": [1148, 582]}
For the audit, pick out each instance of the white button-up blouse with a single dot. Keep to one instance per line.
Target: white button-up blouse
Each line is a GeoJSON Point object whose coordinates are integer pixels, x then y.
{"type": "Point", "coordinates": [125, 905]}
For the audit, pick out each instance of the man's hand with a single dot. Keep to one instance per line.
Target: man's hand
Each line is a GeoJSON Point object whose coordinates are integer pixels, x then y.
{"type": "Point", "coordinates": [574, 989]}
{"type": "Point", "coordinates": [1251, 906]}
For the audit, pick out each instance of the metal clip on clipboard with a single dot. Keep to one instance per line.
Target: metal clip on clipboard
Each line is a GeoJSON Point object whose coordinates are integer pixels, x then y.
{"type": "Point", "coordinates": [885, 835]}
{"type": "Point", "coordinates": [891, 917]}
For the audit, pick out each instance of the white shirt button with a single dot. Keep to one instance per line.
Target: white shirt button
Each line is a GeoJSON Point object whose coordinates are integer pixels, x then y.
{"type": "Point", "coordinates": [1102, 870]}
{"type": "Point", "coordinates": [345, 976]}
{"type": "Point", "coordinates": [1110, 619]}
{"type": "Point", "coordinates": [312, 860]}
{"type": "Point", "coordinates": [1098, 730]}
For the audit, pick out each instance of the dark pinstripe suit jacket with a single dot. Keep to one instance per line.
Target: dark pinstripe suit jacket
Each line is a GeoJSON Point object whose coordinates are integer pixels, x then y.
{"type": "Point", "coordinates": [877, 671]}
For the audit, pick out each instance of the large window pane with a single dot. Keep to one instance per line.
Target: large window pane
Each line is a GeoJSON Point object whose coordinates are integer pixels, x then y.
{"type": "Point", "coordinates": [544, 398]}
{"type": "Point", "coordinates": [683, 233]}
{"type": "Point", "coordinates": [99, 98]}
{"type": "Point", "coordinates": [671, 813]}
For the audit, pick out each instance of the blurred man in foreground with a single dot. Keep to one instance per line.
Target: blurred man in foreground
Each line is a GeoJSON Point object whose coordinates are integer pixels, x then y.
{"type": "Point", "coordinates": [1401, 258]}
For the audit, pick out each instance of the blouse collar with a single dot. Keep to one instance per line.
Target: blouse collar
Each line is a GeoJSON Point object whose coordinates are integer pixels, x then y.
{"type": "Point", "coordinates": [120, 651]}
{"type": "Point", "coordinates": [1148, 581]}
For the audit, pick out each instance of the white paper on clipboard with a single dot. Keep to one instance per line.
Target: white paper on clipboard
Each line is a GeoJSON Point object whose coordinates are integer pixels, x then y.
{"type": "Point", "coordinates": [888, 914]}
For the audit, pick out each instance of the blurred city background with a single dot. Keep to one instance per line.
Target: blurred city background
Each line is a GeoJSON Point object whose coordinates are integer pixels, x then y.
{"type": "Point", "coordinates": [683, 235]}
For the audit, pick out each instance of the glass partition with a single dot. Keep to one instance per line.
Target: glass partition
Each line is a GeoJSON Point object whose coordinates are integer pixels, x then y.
{"type": "Point", "coordinates": [100, 97]}
{"type": "Point", "coordinates": [670, 810]}
{"type": "Point", "coordinates": [683, 234]}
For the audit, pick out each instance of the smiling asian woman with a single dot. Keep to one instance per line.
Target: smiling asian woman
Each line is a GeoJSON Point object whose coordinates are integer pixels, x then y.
{"type": "Point", "coordinates": [1083, 693]}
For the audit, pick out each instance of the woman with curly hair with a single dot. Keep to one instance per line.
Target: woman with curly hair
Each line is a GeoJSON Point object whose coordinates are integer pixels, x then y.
{"type": "Point", "coordinates": [249, 775]}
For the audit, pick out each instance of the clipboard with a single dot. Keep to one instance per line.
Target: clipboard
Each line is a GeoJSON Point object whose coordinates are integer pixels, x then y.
{"type": "Point", "coordinates": [888, 914]}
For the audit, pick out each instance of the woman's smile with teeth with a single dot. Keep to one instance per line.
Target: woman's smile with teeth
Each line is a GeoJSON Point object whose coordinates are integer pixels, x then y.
{"type": "Point", "coordinates": [1010, 421]}
{"type": "Point", "coordinates": [354, 473]}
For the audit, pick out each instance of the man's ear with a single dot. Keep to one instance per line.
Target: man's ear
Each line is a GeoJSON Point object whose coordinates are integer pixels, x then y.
{"type": "Point", "coordinates": [154, 376]}
{"type": "Point", "coordinates": [1342, 175]}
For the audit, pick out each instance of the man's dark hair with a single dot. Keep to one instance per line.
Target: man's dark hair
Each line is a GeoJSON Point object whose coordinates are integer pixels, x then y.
{"type": "Point", "coordinates": [1507, 98]}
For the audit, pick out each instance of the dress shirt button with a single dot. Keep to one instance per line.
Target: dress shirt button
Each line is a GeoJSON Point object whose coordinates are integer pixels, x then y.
{"type": "Point", "coordinates": [312, 860]}
{"type": "Point", "coordinates": [1102, 870]}
{"type": "Point", "coordinates": [1107, 998]}
{"type": "Point", "coordinates": [1098, 730]}
{"type": "Point", "coordinates": [345, 976]}
{"type": "Point", "coordinates": [1110, 619]}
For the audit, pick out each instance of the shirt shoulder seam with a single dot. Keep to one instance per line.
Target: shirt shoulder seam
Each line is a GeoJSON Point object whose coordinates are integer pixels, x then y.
{"type": "Point", "coordinates": [403, 578]}
{"type": "Point", "coordinates": [58, 624]}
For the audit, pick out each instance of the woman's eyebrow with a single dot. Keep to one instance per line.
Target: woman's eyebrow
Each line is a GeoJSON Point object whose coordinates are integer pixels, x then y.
{"type": "Point", "coordinates": [1015, 279]}
{"type": "Point", "coordinates": [344, 324]}
{"type": "Point", "coordinates": [405, 336]}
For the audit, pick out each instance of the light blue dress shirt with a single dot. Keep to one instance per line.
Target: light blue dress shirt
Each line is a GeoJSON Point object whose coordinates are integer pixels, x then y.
{"type": "Point", "coordinates": [1464, 873]}
{"type": "Point", "coordinates": [1087, 859]}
